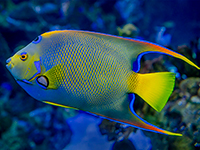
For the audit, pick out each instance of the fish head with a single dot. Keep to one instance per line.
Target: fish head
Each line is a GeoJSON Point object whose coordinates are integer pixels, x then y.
{"type": "Point", "coordinates": [25, 64]}
{"type": "Point", "coordinates": [28, 70]}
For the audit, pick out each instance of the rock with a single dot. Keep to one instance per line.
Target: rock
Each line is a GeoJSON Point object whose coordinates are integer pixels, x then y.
{"type": "Point", "coordinates": [19, 104]}
{"type": "Point", "coordinates": [123, 145]}
{"type": "Point", "coordinates": [195, 99]}
{"type": "Point", "coordinates": [50, 128]}
{"type": "Point", "coordinates": [128, 30]}
{"type": "Point", "coordinates": [198, 92]}
{"type": "Point", "coordinates": [16, 137]}
{"type": "Point", "coordinates": [17, 143]}
{"type": "Point", "coordinates": [5, 123]}
{"type": "Point", "coordinates": [174, 119]}
{"type": "Point", "coordinates": [37, 136]}
{"type": "Point", "coordinates": [190, 85]}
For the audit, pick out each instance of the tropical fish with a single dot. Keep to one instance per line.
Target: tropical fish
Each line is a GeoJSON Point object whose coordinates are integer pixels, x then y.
{"type": "Point", "coordinates": [93, 72]}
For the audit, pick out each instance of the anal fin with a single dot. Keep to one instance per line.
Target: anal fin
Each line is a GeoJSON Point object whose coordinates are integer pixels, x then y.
{"type": "Point", "coordinates": [126, 115]}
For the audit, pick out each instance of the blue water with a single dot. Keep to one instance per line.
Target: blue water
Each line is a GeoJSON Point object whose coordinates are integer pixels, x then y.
{"type": "Point", "coordinates": [28, 124]}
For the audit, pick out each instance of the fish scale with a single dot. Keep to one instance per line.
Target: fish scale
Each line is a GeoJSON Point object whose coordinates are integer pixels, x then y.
{"type": "Point", "coordinates": [95, 85]}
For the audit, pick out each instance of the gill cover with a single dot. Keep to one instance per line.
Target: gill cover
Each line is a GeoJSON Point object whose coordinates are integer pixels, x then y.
{"type": "Point", "coordinates": [24, 68]}
{"type": "Point", "coordinates": [25, 65]}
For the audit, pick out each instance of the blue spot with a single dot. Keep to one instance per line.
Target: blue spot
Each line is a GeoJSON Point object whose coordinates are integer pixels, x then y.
{"type": "Point", "coordinates": [37, 40]}
{"type": "Point", "coordinates": [23, 53]}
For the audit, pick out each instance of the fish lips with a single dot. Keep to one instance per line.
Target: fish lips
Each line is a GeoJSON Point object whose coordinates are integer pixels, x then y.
{"type": "Point", "coordinates": [9, 66]}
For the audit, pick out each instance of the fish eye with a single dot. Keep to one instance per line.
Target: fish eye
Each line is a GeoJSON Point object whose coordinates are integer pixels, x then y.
{"type": "Point", "coordinates": [23, 56]}
{"type": "Point", "coordinates": [37, 39]}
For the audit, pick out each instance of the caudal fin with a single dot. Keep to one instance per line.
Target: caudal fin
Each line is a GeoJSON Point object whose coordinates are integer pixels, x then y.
{"type": "Point", "coordinates": [153, 88]}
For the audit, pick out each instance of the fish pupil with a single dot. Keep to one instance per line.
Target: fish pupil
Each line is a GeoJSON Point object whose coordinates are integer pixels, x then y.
{"type": "Point", "coordinates": [36, 39]}
{"type": "Point", "coordinates": [23, 56]}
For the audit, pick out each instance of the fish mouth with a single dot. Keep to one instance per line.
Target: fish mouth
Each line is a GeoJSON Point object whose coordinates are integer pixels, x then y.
{"type": "Point", "coordinates": [9, 64]}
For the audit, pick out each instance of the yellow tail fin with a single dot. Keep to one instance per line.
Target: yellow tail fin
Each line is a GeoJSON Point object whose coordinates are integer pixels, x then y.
{"type": "Point", "coordinates": [154, 88]}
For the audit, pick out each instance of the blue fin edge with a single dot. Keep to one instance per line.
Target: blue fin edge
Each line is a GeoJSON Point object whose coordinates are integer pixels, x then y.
{"type": "Point", "coordinates": [37, 65]}
{"type": "Point", "coordinates": [136, 64]}
{"type": "Point", "coordinates": [134, 113]}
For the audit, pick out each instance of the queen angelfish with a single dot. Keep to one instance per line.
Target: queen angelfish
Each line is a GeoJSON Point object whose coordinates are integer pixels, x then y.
{"type": "Point", "coordinates": [93, 72]}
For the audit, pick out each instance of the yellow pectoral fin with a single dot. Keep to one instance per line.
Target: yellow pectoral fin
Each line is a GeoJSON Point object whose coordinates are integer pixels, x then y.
{"type": "Point", "coordinates": [59, 105]}
{"type": "Point", "coordinates": [52, 78]}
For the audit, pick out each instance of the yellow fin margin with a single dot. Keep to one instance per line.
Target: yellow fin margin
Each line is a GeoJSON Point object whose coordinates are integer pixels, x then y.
{"type": "Point", "coordinates": [59, 105]}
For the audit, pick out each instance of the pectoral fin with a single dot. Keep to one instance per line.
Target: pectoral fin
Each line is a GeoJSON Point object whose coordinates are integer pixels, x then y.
{"type": "Point", "coordinates": [48, 80]}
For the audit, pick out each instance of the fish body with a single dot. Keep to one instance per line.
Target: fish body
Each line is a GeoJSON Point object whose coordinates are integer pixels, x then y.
{"type": "Point", "coordinates": [93, 72]}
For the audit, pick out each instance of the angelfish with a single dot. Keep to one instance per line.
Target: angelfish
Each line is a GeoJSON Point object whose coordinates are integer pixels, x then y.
{"type": "Point", "coordinates": [93, 72]}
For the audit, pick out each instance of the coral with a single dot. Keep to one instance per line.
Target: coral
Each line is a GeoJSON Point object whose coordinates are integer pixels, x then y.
{"type": "Point", "coordinates": [184, 68]}
{"type": "Point", "coordinates": [128, 30]}
{"type": "Point", "coordinates": [114, 131]}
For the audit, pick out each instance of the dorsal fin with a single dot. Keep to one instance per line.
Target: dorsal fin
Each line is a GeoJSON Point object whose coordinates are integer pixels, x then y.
{"type": "Point", "coordinates": [132, 48]}
{"type": "Point", "coordinates": [127, 47]}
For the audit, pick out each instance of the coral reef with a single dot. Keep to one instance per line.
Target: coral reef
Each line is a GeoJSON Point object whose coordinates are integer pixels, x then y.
{"type": "Point", "coordinates": [28, 124]}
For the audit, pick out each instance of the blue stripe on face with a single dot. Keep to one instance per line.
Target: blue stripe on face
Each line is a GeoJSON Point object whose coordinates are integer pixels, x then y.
{"type": "Point", "coordinates": [38, 67]}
